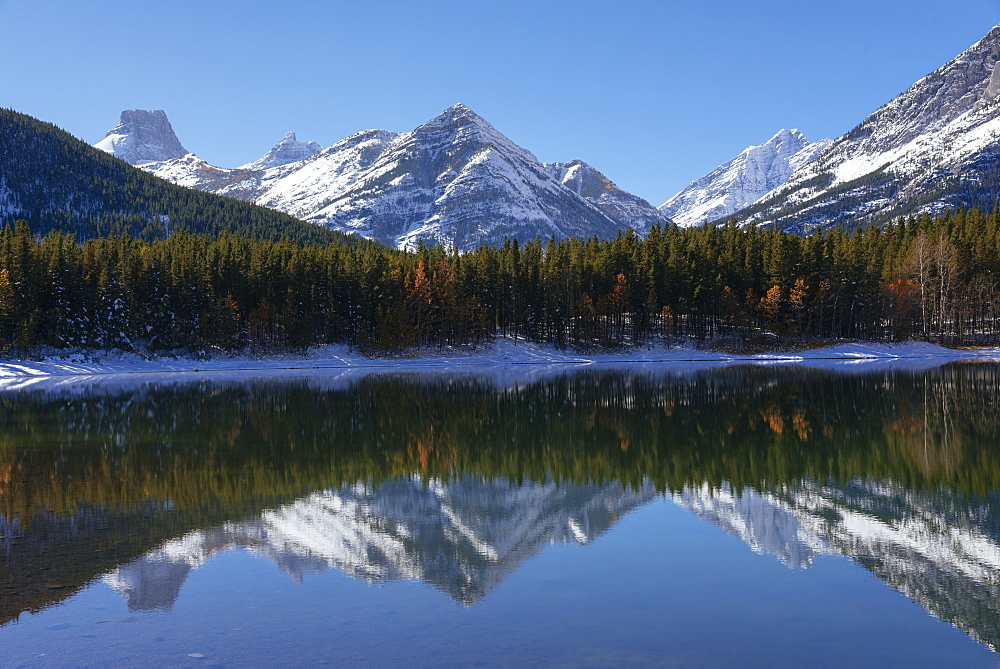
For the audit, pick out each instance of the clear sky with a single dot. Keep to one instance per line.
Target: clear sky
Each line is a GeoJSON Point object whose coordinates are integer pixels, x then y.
{"type": "Point", "coordinates": [652, 93]}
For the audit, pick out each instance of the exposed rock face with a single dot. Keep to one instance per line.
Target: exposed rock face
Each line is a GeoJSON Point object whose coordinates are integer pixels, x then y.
{"type": "Point", "coordinates": [143, 136]}
{"type": "Point", "coordinates": [993, 88]}
{"type": "Point", "coordinates": [455, 180]}
{"type": "Point", "coordinates": [931, 148]}
{"type": "Point", "coordinates": [288, 150]}
{"type": "Point", "coordinates": [740, 182]}
{"type": "Point", "coordinates": [630, 211]}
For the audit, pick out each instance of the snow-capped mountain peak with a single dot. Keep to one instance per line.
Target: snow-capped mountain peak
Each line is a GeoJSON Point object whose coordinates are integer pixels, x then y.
{"type": "Point", "coordinates": [743, 180]}
{"type": "Point", "coordinates": [457, 180]}
{"type": "Point", "coordinates": [288, 150]}
{"type": "Point", "coordinates": [142, 136]}
{"type": "Point", "coordinates": [458, 124]}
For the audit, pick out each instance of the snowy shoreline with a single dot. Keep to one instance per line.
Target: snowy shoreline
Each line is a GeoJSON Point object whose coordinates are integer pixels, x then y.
{"type": "Point", "coordinates": [503, 352]}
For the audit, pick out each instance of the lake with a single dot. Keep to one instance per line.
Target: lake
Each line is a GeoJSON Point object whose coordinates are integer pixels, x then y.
{"type": "Point", "coordinates": [644, 515]}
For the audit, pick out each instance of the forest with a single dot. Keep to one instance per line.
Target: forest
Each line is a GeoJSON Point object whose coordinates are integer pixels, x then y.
{"type": "Point", "coordinates": [933, 279]}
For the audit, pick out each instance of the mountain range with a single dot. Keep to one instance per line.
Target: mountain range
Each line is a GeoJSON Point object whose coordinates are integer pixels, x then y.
{"type": "Point", "coordinates": [457, 181]}
{"type": "Point", "coordinates": [454, 180]}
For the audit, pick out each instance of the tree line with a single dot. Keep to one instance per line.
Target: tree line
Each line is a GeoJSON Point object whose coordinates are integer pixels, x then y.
{"type": "Point", "coordinates": [934, 279]}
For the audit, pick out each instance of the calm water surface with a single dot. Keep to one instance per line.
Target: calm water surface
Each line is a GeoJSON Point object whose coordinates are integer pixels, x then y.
{"type": "Point", "coordinates": [661, 516]}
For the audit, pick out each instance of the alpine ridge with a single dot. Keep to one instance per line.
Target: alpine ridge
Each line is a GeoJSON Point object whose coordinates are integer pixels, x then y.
{"type": "Point", "coordinates": [930, 149]}
{"type": "Point", "coordinates": [454, 180]}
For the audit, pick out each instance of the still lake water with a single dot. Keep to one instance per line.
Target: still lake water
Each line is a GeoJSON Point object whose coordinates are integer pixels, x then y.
{"type": "Point", "coordinates": [656, 515]}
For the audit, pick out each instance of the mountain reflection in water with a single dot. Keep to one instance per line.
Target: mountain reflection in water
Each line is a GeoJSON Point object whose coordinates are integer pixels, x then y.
{"type": "Point", "coordinates": [462, 537]}
{"type": "Point", "coordinates": [456, 481]}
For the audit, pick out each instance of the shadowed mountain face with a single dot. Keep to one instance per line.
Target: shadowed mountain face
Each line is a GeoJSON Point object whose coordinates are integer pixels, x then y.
{"type": "Point", "coordinates": [466, 477]}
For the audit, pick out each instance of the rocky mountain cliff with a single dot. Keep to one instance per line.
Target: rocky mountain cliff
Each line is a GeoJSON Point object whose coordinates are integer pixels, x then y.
{"type": "Point", "coordinates": [932, 148]}
{"type": "Point", "coordinates": [142, 136]}
{"type": "Point", "coordinates": [740, 182]}
{"type": "Point", "coordinates": [629, 211]}
{"type": "Point", "coordinates": [454, 180]}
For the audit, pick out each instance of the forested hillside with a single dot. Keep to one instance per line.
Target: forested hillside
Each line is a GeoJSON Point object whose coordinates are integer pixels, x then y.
{"type": "Point", "coordinates": [934, 279]}
{"type": "Point", "coordinates": [57, 182]}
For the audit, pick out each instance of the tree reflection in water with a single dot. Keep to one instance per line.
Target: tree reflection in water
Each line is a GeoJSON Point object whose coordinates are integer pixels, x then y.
{"type": "Point", "coordinates": [455, 480]}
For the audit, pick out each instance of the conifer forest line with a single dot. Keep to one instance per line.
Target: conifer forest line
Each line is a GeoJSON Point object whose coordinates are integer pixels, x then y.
{"type": "Point", "coordinates": [935, 279]}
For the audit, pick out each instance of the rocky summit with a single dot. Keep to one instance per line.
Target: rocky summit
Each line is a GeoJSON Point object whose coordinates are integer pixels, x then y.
{"type": "Point", "coordinates": [630, 211]}
{"type": "Point", "coordinates": [142, 136]}
{"type": "Point", "coordinates": [288, 150]}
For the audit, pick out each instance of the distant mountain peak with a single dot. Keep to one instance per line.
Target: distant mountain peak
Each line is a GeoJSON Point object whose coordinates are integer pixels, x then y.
{"type": "Point", "coordinates": [288, 150]}
{"type": "Point", "coordinates": [142, 136]}
{"type": "Point", "coordinates": [741, 181]}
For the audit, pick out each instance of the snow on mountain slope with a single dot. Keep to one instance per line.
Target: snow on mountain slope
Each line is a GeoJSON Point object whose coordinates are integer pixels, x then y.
{"type": "Point", "coordinates": [748, 177]}
{"type": "Point", "coordinates": [142, 136]}
{"type": "Point", "coordinates": [455, 180]}
{"type": "Point", "coordinates": [288, 150]}
{"type": "Point", "coordinates": [627, 209]}
{"type": "Point", "coordinates": [930, 148]}
{"type": "Point", "coordinates": [303, 188]}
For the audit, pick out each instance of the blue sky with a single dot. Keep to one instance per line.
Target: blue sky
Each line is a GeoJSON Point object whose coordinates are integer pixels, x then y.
{"type": "Point", "coordinates": [653, 94]}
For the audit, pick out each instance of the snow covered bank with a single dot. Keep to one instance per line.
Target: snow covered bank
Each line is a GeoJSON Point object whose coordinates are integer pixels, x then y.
{"type": "Point", "coordinates": [911, 355]}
